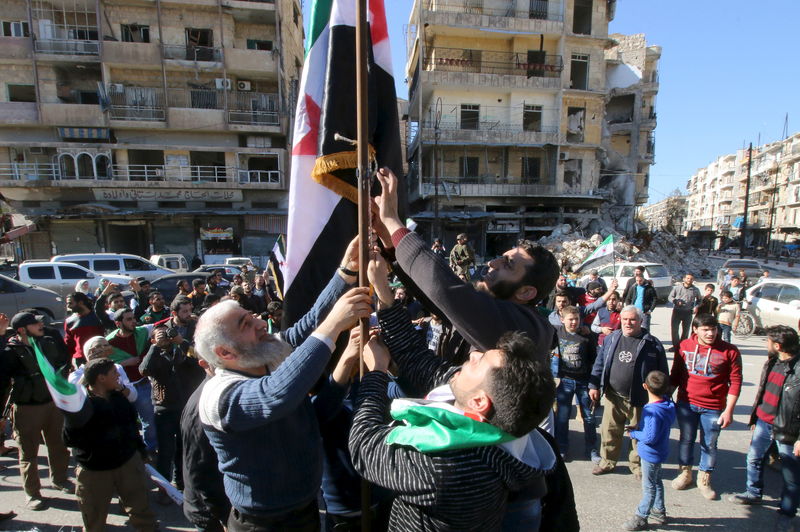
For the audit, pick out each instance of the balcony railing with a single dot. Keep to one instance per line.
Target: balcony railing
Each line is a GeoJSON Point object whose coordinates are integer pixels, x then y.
{"type": "Point", "coordinates": [256, 108]}
{"type": "Point", "coordinates": [66, 46]}
{"type": "Point", "coordinates": [185, 52]}
{"type": "Point", "coordinates": [489, 62]}
{"type": "Point", "coordinates": [143, 173]}
{"type": "Point", "coordinates": [137, 103]}
{"type": "Point", "coordinates": [491, 130]}
{"type": "Point", "coordinates": [539, 9]}
{"type": "Point", "coordinates": [491, 186]}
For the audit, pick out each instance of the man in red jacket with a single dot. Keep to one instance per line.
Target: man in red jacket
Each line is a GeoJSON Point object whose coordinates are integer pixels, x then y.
{"type": "Point", "coordinates": [81, 325]}
{"type": "Point", "coordinates": [707, 372]}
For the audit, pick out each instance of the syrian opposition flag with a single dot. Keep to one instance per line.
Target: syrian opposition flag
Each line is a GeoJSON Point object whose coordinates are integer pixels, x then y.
{"type": "Point", "coordinates": [605, 248]}
{"type": "Point", "coordinates": [66, 396]}
{"type": "Point", "coordinates": [323, 215]}
{"type": "Point", "coordinates": [277, 263]}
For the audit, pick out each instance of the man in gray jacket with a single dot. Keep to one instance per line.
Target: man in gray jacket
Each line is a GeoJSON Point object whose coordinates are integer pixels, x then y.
{"type": "Point", "coordinates": [685, 298]}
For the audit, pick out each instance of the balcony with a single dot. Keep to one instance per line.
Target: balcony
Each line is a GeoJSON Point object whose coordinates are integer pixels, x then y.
{"type": "Point", "coordinates": [19, 113]}
{"type": "Point", "coordinates": [72, 114]}
{"type": "Point", "coordinates": [131, 53]}
{"type": "Point", "coordinates": [141, 173]}
{"type": "Point", "coordinates": [15, 48]}
{"type": "Point", "coordinates": [463, 68]}
{"type": "Point", "coordinates": [194, 54]}
{"type": "Point", "coordinates": [208, 106]}
{"type": "Point", "coordinates": [66, 47]}
{"type": "Point", "coordinates": [140, 104]}
{"type": "Point", "coordinates": [542, 16]}
{"type": "Point", "coordinates": [491, 186]}
{"type": "Point", "coordinates": [491, 132]}
{"type": "Point", "coordinates": [246, 62]}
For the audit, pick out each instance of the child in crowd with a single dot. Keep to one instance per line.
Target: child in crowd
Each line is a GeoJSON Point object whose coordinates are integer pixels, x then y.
{"type": "Point", "coordinates": [727, 315]}
{"type": "Point", "coordinates": [709, 303]}
{"type": "Point", "coordinates": [274, 316]}
{"type": "Point", "coordinates": [658, 415]}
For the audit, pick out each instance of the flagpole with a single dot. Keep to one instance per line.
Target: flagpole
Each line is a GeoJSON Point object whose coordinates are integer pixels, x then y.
{"type": "Point", "coordinates": [362, 125]}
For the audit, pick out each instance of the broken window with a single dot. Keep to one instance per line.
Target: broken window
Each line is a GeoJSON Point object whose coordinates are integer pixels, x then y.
{"type": "Point", "coordinates": [582, 17]}
{"type": "Point", "coordinates": [470, 116]}
{"type": "Point", "coordinates": [531, 169]}
{"type": "Point", "coordinates": [135, 33]}
{"type": "Point", "coordinates": [573, 170]}
{"type": "Point", "coordinates": [532, 118]}
{"type": "Point", "coordinates": [21, 93]}
{"type": "Point", "coordinates": [538, 9]}
{"type": "Point", "coordinates": [579, 72]}
{"type": "Point", "coordinates": [255, 44]}
{"type": "Point", "coordinates": [469, 166]}
{"type": "Point", "coordinates": [199, 43]}
{"type": "Point", "coordinates": [620, 109]}
{"type": "Point", "coordinates": [15, 29]}
{"type": "Point", "coordinates": [575, 124]}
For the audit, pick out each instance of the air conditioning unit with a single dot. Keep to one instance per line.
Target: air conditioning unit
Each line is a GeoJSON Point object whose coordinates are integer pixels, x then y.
{"type": "Point", "coordinates": [563, 156]}
{"type": "Point", "coordinates": [243, 85]}
{"type": "Point", "coordinates": [222, 83]}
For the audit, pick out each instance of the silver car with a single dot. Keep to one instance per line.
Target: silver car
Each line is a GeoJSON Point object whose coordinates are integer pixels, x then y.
{"type": "Point", "coordinates": [15, 296]}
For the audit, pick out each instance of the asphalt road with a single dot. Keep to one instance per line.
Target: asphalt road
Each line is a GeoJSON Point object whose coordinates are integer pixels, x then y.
{"type": "Point", "coordinates": [604, 502]}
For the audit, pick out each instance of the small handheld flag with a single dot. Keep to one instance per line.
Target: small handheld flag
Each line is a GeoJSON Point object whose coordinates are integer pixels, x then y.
{"type": "Point", "coordinates": [66, 396]}
{"type": "Point", "coordinates": [605, 248]}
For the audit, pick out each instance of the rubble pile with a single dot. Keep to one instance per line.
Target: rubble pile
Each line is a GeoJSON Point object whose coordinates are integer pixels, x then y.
{"type": "Point", "coordinates": [572, 248]}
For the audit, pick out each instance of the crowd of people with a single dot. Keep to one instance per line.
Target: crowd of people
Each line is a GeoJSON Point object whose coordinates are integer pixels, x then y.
{"type": "Point", "coordinates": [461, 418]}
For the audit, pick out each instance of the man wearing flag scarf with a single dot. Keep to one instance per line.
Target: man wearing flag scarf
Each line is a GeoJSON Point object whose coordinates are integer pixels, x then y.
{"type": "Point", "coordinates": [35, 414]}
{"type": "Point", "coordinates": [476, 425]}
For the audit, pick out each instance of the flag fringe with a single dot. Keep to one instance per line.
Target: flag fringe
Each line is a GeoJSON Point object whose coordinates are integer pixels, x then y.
{"type": "Point", "coordinates": [325, 165]}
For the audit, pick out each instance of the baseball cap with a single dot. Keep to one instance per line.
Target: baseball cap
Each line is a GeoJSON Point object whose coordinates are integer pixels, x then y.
{"type": "Point", "coordinates": [23, 319]}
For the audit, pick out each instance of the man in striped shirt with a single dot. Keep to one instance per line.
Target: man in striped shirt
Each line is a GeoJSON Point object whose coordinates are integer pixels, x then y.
{"type": "Point", "coordinates": [775, 418]}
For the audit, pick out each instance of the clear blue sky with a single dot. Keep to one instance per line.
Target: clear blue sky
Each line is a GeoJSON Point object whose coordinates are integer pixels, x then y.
{"type": "Point", "coordinates": [728, 73]}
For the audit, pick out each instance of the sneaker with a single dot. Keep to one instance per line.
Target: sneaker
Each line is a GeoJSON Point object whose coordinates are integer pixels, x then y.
{"type": "Point", "coordinates": [65, 485]}
{"type": "Point", "coordinates": [635, 523]}
{"type": "Point", "coordinates": [744, 498]}
{"type": "Point", "coordinates": [658, 517]}
{"type": "Point", "coordinates": [599, 470]}
{"type": "Point", "coordinates": [594, 456]}
{"type": "Point", "coordinates": [36, 503]}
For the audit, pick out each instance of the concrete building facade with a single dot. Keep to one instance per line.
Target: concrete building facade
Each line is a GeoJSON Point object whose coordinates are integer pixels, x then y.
{"type": "Point", "coordinates": [148, 126]}
{"type": "Point", "coordinates": [508, 131]}
{"type": "Point", "coordinates": [668, 214]}
{"type": "Point", "coordinates": [716, 199]}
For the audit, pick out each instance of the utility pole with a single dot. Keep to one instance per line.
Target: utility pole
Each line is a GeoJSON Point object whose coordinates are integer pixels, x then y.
{"type": "Point", "coordinates": [746, 200]}
{"type": "Point", "coordinates": [771, 214]}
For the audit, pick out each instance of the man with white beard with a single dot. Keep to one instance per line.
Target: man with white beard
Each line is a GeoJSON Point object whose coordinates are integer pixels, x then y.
{"type": "Point", "coordinates": [256, 409]}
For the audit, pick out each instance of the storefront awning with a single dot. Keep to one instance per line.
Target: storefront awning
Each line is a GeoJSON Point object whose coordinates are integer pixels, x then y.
{"type": "Point", "coordinates": [96, 133]}
{"type": "Point", "coordinates": [16, 232]}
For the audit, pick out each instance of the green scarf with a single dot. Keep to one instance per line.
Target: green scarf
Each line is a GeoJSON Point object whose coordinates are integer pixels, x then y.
{"type": "Point", "coordinates": [140, 336]}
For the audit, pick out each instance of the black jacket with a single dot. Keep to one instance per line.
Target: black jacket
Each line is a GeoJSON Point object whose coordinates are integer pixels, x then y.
{"type": "Point", "coordinates": [786, 427]}
{"type": "Point", "coordinates": [20, 370]}
{"type": "Point", "coordinates": [650, 297]}
{"type": "Point", "coordinates": [162, 365]}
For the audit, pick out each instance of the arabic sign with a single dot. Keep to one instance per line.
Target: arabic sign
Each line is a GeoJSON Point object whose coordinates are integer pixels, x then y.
{"type": "Point", "coordinates": [145, 194]}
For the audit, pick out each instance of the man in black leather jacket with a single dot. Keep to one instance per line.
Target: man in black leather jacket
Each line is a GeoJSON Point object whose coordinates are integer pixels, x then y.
{"type": "Point", "coordinates": [776, 417]}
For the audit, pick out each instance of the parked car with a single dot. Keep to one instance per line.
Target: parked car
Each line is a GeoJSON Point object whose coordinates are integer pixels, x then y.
{"type": "Point", "coordinates": [775, 302]}
{"type": "Point", "coordinates": [751, 267]}
{"type": "Point", "coordinates": [15, 296]}
{"type": "Point", "coordinates": [654, 272]}
{"type": "Point", "coordinates": [168, 285]}
{"type": "Point", "coordinates": [732, 251]}
{"type": "Point", "coordinates": [239, 261]}
{"type": "Point", "coordinates": [61, 277]}
{"type": "Point", "coordinates": [172, 261]}
{"type": "Point", "coordinates": [228, 271]}
{"type": "Point", "coordinates": [117, 263]}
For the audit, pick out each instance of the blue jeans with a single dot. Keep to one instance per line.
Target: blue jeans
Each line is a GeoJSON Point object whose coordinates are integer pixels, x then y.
{"type": "Point", "coordinates": [726, 332]}
{"type": "Point", "coordinates": [790, 468]}
{"type": "Point", "coordinates": [689, 418]}
{"type": "Point", "coordinates": [144, 407]}
{"type": "Point", "coordinates": [652, 490]}
{"type": "Point", "coordinates": [568, 388]}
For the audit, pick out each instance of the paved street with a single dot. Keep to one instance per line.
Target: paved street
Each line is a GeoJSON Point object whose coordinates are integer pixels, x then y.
{"type": "Point", "coordinates": [603, 502]}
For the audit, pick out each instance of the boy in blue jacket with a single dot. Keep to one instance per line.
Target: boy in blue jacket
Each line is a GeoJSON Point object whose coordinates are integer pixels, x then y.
{"type": "Point", "coordinates": [658, 416]}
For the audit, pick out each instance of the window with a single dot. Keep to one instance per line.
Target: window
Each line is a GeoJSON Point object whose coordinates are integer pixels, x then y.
{"type": "Point", "coordinates": [469, 166]}
{"type": "Point", "coordinates": [470, 116]}
{"type": "Point", "coordinates": [788, 294]}
{"type": "Point", "coordinates": [532, 118]}
{"type": "Point", "coordinates": [582, 17]}
{"type": "Point", "coordinates": [71, 272]}
{"type": "Point", "coordinates": [573, 173]}
{"type": "Point", "coordinates": [21, 93]}
{"type": "Point", "coordinates": [137, 265]}
{"type": "Point", "coordinates": [575, 120]}
{"type": "Point", "coordinates": [627, 271]}
{"type": "Point", "coordinates": [770, 292]}
{"type": "Point", "coordinates": [135, 33]}
{"type": "Point", "coordinates": [579, 72]}
{"type": "Point", "coordinates": [7, 286]}
{"type": "Point", "coordinates": [106, 265]}
{"type": "Point", "coordinates": [255, 44]}
{"type": "Point", "coordinates": [84, 263]}
{"type": "Point", "coordinates": [538, 9]}
{"type": "Point", "coordinates": [606, 271]}
{"type": "Point", "coordinates": [15, 29]}
{"type": "Point", "coordinates": [82, 34]}
{"type": "Point", "coordinates": [531, 169]}
{"type": "Point", "coordinates": [41, 272]}
{"type": "Point", "coordinates": [656, 270]}
{"type": "Point", "coordinates": [87, 97]}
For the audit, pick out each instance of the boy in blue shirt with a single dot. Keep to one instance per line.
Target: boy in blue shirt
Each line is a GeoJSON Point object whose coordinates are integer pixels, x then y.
{"type": "Point", "coordinates": [658, 416]}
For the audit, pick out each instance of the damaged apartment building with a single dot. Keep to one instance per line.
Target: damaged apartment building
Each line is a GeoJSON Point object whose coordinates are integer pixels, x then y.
{"type": "Point", "coordinates": [148, 126]}
{"type": "Point", "coordinates": [525, 115]}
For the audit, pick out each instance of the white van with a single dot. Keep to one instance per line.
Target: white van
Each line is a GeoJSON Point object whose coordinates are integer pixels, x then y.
{"type": "Point", "coordinates": [172, 261]}
{"type": "Point", "coordinates": [118, 263]}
